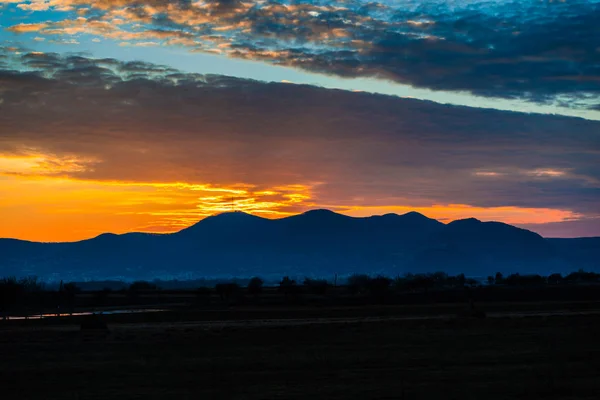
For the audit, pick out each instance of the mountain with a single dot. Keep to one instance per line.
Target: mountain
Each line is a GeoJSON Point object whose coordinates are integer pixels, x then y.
{"type": "Point", "coordinates": [474, 248]}
{"type": "Point", "coordinates": [315, 243]}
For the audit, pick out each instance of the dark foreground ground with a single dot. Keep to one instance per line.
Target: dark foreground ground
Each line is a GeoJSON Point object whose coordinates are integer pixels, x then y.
{"type": "Point", "coordinates": [500, 357]}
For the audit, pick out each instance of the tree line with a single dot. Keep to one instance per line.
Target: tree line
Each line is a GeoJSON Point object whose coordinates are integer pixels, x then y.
{"type": "Point", "coordinates": [363, 284]}
{"type": "Point", "coordinates": [26, 294]}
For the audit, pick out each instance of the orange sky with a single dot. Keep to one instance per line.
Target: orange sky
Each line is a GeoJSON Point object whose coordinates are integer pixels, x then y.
{"type": "Point", "coordinates": [36, 204]}
{"type": "Point", "coordinates": [83, 153]}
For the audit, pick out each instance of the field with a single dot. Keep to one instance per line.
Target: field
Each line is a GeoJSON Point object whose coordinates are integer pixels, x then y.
{"type": "Point", "coordinates": [520, 351]}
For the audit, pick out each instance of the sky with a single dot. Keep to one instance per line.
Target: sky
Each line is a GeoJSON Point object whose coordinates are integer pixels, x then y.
{"type": "Point", "coordinates": [149, 115]}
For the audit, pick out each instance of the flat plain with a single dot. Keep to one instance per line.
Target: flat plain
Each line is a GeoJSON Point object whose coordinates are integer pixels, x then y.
{"type": "Point", "coordinates": [520, 351]}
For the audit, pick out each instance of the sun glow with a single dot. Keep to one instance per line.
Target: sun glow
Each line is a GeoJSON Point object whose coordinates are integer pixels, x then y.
{"type": "Point", "coordinates": [451, 212]}
{"type": "Point", "coordinates": [46, 197]}
{"type": "Point", "coordinates": [37, 163]}
{"type": "Point", "coordinates": [65, 209]}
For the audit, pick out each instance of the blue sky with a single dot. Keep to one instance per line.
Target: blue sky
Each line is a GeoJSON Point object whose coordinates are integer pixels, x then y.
{"type": "Point", "coordinates": [99, 43]}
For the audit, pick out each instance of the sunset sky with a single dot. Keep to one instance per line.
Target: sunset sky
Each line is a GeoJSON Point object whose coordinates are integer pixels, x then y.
{"type": "Point", "coordinates": [148, 115]}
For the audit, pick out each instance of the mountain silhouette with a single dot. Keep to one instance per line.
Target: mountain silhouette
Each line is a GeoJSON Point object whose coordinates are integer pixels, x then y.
{"type": "Point", "coordinates": [315, 243]}
{"type": "Point", "coordinates": [472, 246]}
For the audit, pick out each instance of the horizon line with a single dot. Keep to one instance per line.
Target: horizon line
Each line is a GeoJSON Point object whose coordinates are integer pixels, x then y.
{"type": "Point", "coordinates": [443, 221]}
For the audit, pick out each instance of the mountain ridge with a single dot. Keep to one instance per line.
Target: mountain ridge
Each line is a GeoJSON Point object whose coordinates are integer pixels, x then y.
{"type": "Point", "coordinates": [315, 243]}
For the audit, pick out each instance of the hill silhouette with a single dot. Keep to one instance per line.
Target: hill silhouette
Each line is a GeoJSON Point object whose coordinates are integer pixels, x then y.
{"type": "Point", "coordinates": [315, 243]}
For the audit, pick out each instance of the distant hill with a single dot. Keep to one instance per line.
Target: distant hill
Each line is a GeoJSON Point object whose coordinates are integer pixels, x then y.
{"type": "Point", "coordinates": [315, 243]}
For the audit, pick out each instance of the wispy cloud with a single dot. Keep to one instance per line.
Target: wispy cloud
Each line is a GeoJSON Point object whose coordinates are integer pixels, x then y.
{"type": "Point", "coordinates": [544, 52]}
{"type": "Point", "coordinates": [22, 28]}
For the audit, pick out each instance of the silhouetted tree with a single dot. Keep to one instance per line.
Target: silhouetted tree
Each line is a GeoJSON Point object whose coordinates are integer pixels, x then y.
{"type": "Point", "coordinates": [554, 279]}
{"type": "Point", "coordinates": [68, 295]}
{"type": "Point", "coordinates": [499, 279]}
{"type": "Point", "coordinates": [440, 279]}
{"type": "Point", "coordinates": [422, 282]}
{"type": "Point", "coordinates": [255, 286]}
{"type": "Point", "coordinates": [491, 280]}
{"type": "Point", "coordinates": [287, 281]}
{"type": "Point", "coordinates": [10, 295]}
{"type": "Point", "coordinates": [582, 277]}
{"type": "Point", "coordinates": [288, 286]}
{"type": "Point", "coordinates": [358, 283]}
{"type": "Point", "coordinates": [31, 284]}
{"type": "Point", "coordinates": [140, 286]}
{"type": "Point", "coordinates": [31, 293]}
{"type": "Point", "coordinates": [400, 283]}
{"type": "Point", "coordinates": [522, 280]}
{"type": "Point", "coordinates": [471, 282]}
{"type": "Point", "coordinates": [379, 286]}
{"type": "Point", "coordinates": [316, 286]}
{"type": "Point", "coordinates": [227, 291]}
{"type": "Point", "coordinates": [512, 279]}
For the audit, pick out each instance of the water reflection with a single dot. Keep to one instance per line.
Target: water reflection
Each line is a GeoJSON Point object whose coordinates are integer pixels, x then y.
{"type": "Point", "coordinates": [106, 312]}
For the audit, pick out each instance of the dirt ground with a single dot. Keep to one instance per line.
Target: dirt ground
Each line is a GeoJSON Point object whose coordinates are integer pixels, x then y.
{"type": "Point", "coordinates": [500, 357]}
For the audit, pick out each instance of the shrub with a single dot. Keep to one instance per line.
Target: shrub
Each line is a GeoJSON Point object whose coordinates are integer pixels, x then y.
{"type": "Point", "coordinates": [554, 279]}
{"type": "Point", "coordinates": [439, 278]}
{"type": "Point", "coordinates": [519, 280]}
{"type": "Point", "coordinates": [316, 286]}
{"type": "Point", "coordinates": [31, 284]}
{"type": "Point", "coordinates": [142, 286]}
{"type": "Point", "coordinates": [358, 283]}
{"type": "Point", "coordinates": [461, 280]}
{"type": "Point", "coordinates": [10, 294]}
{"type": "Point", "coordinates": [287, 282]}
{"type": "Point", "coordinates": [255, 286]}
{"type": "Point", "coordinates": [227, 291]}
{"type": "Point", "coordinates": [499, 279]}
{"type": "Point", "coordinates": [400, 283]}
{"type": "Point", "coordinates": [71, 287]}
{"type": "Point", "coordinates": [67, 293]}
{"type": "Point", "coordinates": [379, 285]}
{"type": "Point", "coordinates": [421, 281]}
{"type": "Point", "coordinates": [582, 276]}
{"type": "Point", "coordinates": [288, 286]}
{"type": "Point", "coordinates": [424, 282]}
{"type": "Point", "coordinates": [471, 282]}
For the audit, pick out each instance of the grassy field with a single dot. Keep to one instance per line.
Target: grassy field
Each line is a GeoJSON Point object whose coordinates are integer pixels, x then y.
{"type": "Point", "coordinates": [387, 358]}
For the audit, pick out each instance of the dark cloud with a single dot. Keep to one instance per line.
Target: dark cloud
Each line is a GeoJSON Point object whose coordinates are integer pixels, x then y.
{"type": "Point", "coordinates": [143, 68]}
{"type": "Point", "coordinates": [43, 61]}
{"type": "Point", "coordinates": [541, 51]}
{"type": "Point", "coordinates": [146, 123]}
{"type": "Point", "coordinates": [535, 57]}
